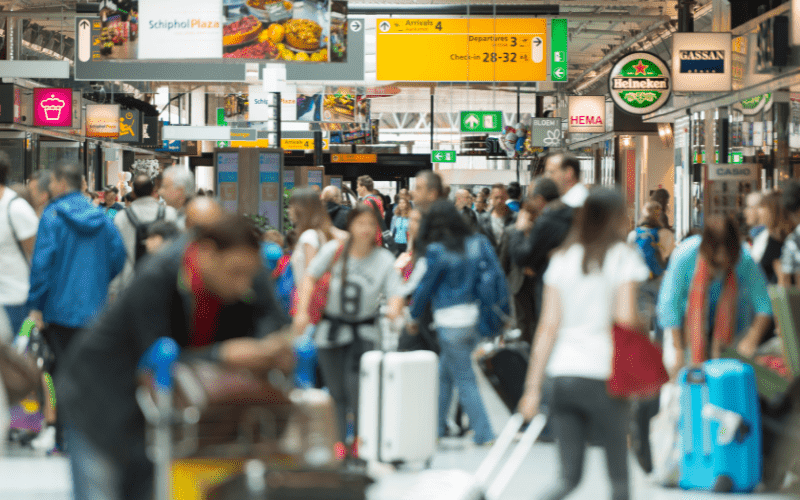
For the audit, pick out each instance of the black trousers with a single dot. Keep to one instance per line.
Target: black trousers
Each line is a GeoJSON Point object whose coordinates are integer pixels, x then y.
{"type": "Point", "coordinates": [58, 338]}
{"type": "Point", "coordinates": [578, 405]}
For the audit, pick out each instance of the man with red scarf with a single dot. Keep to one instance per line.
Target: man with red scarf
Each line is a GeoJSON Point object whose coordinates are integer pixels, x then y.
{"type": "Point", "coordinates": [212, 295]}
{"type": "Point", "coordinates": [714, 295]}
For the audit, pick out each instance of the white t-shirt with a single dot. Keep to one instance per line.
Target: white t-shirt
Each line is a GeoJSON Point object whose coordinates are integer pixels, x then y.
{"type": "Point", "coordinates": [299, 261]}
{"type": "Point", "coordinates": [584, 347]}
{"type": "Point", "coordinates": [14, 270]}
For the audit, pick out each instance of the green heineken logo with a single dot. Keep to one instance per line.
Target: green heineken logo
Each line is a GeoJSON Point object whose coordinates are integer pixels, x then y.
{"type": "Point", "coordinates": [754, 104]}
{"type": "Point", "coordinates": [640, 83]}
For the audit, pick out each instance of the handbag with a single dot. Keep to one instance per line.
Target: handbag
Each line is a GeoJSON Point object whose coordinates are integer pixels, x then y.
{"type": "Point", "coordinates": [637, 367]}
{"type": "Point", "coordinates": [319, 296]}
{"type": "Point", "coordinates": [19, 373]}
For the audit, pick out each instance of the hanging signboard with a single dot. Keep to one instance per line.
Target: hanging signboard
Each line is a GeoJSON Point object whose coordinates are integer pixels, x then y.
{"type": "Point", "coordinates": [52, 107]}
{"type": "Point", "coordinates": [130, 126]}
{"type": "Point", "coordinates": [639, 83]}
{"type": "Point", "coordinates": [466, 50]}
{"type": "Point", "coordinates": [546, 132]}
{"type": "Point", "coordinates": [102, 120]}
{"type": "Point", "coordinates": [228, 180]}
{"type": "Point", "coordinates": [150, 135]}
{"type": "Point", "coordinates": [735, 172]}
{"type": "Point", "coordinates": [270, 198]}
{"type": "Point", "coordinates": [754, 105]}
{"type": "Point", "coordinates": [587, 113]}
{"type": "Point", "coordinates": [6, 103]}
{"type": "Point", "coordinates": [701, 62]}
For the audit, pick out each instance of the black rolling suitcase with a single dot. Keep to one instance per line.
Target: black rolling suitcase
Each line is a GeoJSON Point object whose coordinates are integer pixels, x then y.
{"type": "Point", "coordinates": [505, 367]}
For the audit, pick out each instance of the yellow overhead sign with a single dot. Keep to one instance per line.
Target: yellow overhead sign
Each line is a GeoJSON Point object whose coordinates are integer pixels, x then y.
{"type": "Point", "coordinates": [477, 50]}
{"type": "Point", "coordinates": [302, 144]}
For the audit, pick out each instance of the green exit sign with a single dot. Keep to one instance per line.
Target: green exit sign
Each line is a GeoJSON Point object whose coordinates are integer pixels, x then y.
{"type": "Point", "coordinates": [221, 123]}
{"type": "Point", "coordinates": [443, 156]}
{"type": "Point", "coordinates": [481, 121]}
{"type": "Point", "coordinates": [559, 38]}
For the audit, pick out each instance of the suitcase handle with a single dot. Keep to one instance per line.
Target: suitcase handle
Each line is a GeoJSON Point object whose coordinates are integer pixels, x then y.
{"type": "Point", "coordinates": [696, 376]}
{"type": "Point", "coordinates": [529, 437]}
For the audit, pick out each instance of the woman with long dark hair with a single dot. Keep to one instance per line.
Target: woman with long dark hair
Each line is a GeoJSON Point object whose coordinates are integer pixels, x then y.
{"type": "Point", "coordinates": [450, 283]}
{"type": "Point", "coordinates": [313, 226]}
{"type": "Point", "coordinates": [768, 244]}
{"type": "Point", "coordinates": [361, 274]}
{"type": "Point", "coordinates": [591, 283]}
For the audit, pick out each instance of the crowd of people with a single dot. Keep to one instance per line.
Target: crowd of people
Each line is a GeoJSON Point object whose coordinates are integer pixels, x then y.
{"type": "Point", "coordinates": [103, 278]}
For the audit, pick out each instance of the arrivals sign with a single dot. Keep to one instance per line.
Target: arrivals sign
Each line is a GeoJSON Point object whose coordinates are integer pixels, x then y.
{"type": "Point", "coordinates": [52, 107]}
{"type": "Point", "coordinates": [702, 62]}
{"type": "Point", "coordinates": [587, 113]}
{"type": "Point", "coordinates": [639, 83]}
{"type": "Point", "coordinates": [102, 120]}
{"type": "Point", "coordinates": [466, 50]}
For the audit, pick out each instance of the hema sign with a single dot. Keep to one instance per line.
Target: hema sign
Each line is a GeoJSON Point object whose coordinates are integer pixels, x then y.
{"type": "Point", "coordinates": [701, 62]}
{"type": "Point", "coordinates": [587, 113]}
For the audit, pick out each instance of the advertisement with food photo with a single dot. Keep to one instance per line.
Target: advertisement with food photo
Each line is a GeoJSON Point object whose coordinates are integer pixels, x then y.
{"type": "Point", "coordinates": [278, 30]}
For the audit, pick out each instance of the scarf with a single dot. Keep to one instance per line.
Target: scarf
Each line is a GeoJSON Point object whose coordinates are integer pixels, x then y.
{"type": "Point", "coordinates": [206, 305]}
{"type": "Point", "coordinates": [698, 308]}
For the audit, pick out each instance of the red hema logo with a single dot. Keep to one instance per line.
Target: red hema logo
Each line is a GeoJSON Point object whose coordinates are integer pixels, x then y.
{"type": "Point", "coordinates": [586, 120]}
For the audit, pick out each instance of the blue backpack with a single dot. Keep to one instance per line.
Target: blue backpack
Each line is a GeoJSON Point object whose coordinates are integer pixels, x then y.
{"type": "Point", "coordinates": [491, 288]}
{"type": "Point", "coordinates": [647, 243]}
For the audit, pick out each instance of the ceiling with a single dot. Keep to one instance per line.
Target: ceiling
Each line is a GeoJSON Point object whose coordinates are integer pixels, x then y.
{"type": "Point", "coordinates": [600, 30]}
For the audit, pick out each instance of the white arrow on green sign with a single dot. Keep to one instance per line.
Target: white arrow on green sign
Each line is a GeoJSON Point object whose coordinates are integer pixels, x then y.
{"type": "Point", "coordinates": [481, 121]}
{"type": "Point", "coordinates": [558, 50]}
{"type": "Point", "coordinates": [443, 156]}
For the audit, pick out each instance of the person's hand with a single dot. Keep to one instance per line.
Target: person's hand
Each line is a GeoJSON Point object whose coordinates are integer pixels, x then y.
{"type": "Point", "coordinates": [37, 318]}
{"type": "Point", "coordinates": [402, 261]}
{"type": "Point", "coordinates": [260, 355]}
{"type": "Point", "coordinates": [279, 352]}
{"type": "Point", "coordinates": [524, 221]}
{"type": "Point", "coordinates": [747, 347]}
{"type": "Point", "coordinates": [529, 404]}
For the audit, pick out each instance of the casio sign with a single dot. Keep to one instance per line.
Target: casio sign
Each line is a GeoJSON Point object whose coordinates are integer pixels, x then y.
{"type": "Point", "coordinates": [727, 172]}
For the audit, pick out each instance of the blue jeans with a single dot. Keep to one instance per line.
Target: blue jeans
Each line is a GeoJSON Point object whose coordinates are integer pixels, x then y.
{"type": "Point", "coordinates": [16, 316]}
{"type": "Point", "coordinates": [96, 476]}
{"type": "Point", "coordinates": [455, 368]}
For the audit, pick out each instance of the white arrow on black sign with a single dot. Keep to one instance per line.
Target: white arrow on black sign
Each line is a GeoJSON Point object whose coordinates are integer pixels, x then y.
{"type": "Point", "coordinates": [355, 26]}
{"type": "Point", "coordinates": [84, 40]}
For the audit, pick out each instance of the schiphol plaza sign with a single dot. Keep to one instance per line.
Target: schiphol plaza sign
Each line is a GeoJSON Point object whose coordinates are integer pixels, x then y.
{"type": "Point", "coordinates": [640, 83]}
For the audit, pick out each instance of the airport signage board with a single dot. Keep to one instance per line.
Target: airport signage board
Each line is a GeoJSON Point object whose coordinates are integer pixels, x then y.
{"type": "Point", "coordinates": [354, 158]}
{"type": "Point", "coordinates": [102, 120]}
{"type": "Point", "coordinates": [52, 107]}
{"type": "Point", "coordinates": [443, 156]}
{"type": "Point", "coordinates": [587, 114]}
{"type": "Point", "coordinates": [462, 50]}
{"type": "Point", "coordinates": [150, 131]}
{"type": "Point", "coordinates": [482, 121]}
{"type": "Point", "coordinates": [701, 62]}
{"type": "Point", "coordinates": [130, 126]}
{"type": "Point", "coordinates": [639, 83]}
{"type": "Point", "coordinates": [559, 39]}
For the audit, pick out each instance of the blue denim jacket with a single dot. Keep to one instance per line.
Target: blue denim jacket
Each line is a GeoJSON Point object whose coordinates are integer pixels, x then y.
{"type": "Point", "coordinates": [450, 278]}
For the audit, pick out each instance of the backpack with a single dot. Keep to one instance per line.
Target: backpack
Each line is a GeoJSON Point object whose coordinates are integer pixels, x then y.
{"type": "Point", "coordinates": [140, 249]}
{"type": "Point", "coordinates": [386, 235]}
{"type": "Point", "coordinates": [647, 243]}
{"type": "Point", "coordinates": [491, 289]}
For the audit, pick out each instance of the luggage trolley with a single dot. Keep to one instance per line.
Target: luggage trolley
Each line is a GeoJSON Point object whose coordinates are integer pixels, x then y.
{"type": "Point", "coordinates": [207, 423]}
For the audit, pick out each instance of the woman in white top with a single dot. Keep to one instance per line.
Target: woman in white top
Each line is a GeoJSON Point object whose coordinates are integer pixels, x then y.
{"type": "Point", "coordinates": [313, 227]}
{"type": "Point", "coordinates": [591, 284]}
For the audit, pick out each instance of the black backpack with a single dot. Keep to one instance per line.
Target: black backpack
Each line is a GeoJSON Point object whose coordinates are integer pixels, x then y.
{"type": "Point", "coordinates": [140, 249]}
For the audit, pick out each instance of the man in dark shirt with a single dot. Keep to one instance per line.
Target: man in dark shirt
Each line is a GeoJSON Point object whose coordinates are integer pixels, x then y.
{"type": "Point", "coordinates": [214, 297]}
{"type": "Point", "coordinates": [332, 198]}
{"type": "Point", "coordinates": [531, 244]}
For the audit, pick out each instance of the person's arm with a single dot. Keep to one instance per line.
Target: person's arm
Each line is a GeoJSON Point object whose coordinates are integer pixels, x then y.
{"type": "Point", "coordinates": [429, 283]}
{"type": "Point", "coordinates": [546, 335]}
{"type": "Point", "coordinates": [25, 223]}
{"type": "Point", "coordinates": [44, 257]}
{"type": "Point", "coordinates": [759, 298]}
{"type": "Point", "coordinates": [315, 270]}
{"type": "Point", "coordinates": [671, 306]}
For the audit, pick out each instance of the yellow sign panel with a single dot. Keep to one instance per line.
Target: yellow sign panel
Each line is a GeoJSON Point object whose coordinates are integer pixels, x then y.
{"type": "Point", "coordinates": [258, 143]}
{"type": "Point", "coordinates": [302, 144]}
{"type": "Point", "coordinates": [476, 50]}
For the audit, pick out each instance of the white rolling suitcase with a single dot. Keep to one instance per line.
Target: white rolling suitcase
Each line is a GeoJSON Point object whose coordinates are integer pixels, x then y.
{"type": "Point", "coordinates": [459, 485]}
{"type": "Point", "coordinates": [398, 406]}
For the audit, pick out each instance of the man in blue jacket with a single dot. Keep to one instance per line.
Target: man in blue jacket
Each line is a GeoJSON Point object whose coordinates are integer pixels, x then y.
{"type": "Point", "coordinates": [78, 252]}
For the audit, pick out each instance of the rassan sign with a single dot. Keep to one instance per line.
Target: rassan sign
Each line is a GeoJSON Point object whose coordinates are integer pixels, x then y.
{"type": "Point", "coordinates": [701, 62]}
{"type": "Point", "coordinates": [733, 172]}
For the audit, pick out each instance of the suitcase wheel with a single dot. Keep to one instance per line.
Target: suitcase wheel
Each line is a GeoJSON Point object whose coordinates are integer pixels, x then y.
{"type": "Point", "coordinates": [724, 484]}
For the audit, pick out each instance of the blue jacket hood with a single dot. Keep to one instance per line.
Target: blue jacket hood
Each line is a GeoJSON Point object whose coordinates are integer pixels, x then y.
{"type": "Point", "coordinates": [79, 213]}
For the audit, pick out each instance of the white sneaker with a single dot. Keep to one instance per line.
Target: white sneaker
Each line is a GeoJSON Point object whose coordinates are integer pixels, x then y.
{"type": "Point", "coordinates": [46, 440]}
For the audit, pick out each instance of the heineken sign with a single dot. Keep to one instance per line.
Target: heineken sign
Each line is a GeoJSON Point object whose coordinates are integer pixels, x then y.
{"type": "Point", "coordinates": [639, 83]}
